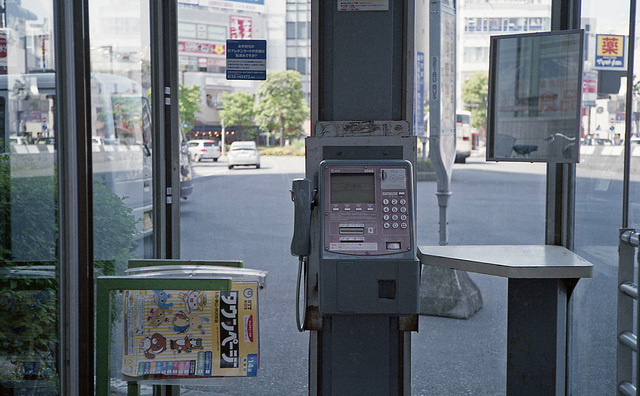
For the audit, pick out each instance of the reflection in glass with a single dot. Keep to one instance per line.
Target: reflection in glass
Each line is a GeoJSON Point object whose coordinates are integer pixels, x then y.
{"type": "Point", "coordinates": [121, 132]}
{"type": "Point", "coordinates": [121, 142]}
{"type": "Point", "coordinates": [28, 201]}
{"type": "Point", "coordinates": [599, 192]}
{"type": "Point", "coordinates": [535, 86]}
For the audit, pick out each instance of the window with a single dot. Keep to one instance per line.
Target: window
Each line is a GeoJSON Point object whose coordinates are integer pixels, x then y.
{"type": "Point", "coordinates": [291, 30]}
{"type": "Point", "coordinates": [302, 65]}
{"type": "Point", "coordinates": [187, 30]}
{"type": "Point", "coordinates": [302, 30]}
{"type": "Point", "coordinates": [217, 33]}
{"type": "Point", "coordinates": [291, 63]}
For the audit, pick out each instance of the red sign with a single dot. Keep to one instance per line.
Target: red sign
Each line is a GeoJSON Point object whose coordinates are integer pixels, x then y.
{"type": "Point", "coordinates": [3, 46]}
{"type": "Point", "coordinates": [240, 27]}
{"type": "Point", "coordinates": [248, 328]}
{"type": "Point", "coordinates": [201, 48]}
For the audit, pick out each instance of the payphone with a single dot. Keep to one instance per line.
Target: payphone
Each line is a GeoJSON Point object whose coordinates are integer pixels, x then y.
{"type": "Point", "coordinates": [367, 257]}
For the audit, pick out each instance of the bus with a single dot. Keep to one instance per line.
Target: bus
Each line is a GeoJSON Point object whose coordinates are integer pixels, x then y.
{"type": "Point", "coordinates": [121, 138]}
{"type": "Point", "coordinates": [464, 134]}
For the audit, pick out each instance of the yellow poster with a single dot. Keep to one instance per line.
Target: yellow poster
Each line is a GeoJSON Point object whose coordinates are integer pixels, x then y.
{"type": "Point", "coordinates": [191, 333]}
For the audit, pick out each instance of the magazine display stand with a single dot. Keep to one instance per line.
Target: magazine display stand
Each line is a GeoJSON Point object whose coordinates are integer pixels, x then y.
{"type": "Point", "coordinates": [225, 289]}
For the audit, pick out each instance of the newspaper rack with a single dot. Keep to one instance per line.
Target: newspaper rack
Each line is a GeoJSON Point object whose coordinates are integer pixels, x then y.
{"type": "Point", "coordinates": [214, 348]}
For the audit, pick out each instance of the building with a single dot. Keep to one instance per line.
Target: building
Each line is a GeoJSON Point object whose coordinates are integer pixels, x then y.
{"type": "Point", "coordinates": [298, 39]}
{"type": "Point", "coordinates": [478, 20]}
{"type": "Point", "coordinates": [203, 28]}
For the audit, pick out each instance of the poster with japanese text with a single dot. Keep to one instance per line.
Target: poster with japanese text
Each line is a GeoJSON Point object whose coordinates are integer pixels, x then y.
{"type": "Point", "coordinates": [191, 333]}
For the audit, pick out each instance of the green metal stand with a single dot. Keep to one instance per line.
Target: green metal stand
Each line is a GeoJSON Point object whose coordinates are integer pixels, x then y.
{"type": "Point", "coordinates": [142, 263]}
{"type": "Point", "coordinates": [107, 284]}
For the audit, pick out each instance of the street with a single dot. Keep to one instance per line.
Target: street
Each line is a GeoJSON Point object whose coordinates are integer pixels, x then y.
{"type": "Point", "coordinates": [247, 214]}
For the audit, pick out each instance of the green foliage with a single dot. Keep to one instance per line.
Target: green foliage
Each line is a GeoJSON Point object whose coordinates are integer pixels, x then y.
{"type": "Point", "coordinates": [28, 332]}
{"type": "Point", "coordinates": [425, 166]}
{"type": "Point", "coordinates": [238, 111]}
{"type": "Point", "coordinates": [475, 91]}
{"type": "Point", "coordinates": [114, 229]}
{"type": "Point", "coordinates": [28, 266]}
{"type": "Point", "coordinates": [189, 105]}
{"type": "Point", "coordinates": [5, 209]}
{"type": "Point", "coordinates": [281, 105]}
{"type": "Point", "coordinates": [296, 148]}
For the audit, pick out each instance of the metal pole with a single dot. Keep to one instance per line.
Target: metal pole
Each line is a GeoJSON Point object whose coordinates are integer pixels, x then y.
{"type": "Point", "coordinates": [628, 112]}
{"type": "Point", "coordinates": [443, 199]}
{"type": "Point", "coordinates": [224, 139]}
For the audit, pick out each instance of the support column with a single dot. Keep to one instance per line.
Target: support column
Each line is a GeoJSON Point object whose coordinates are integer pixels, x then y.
{"type": "Point", "coordinates": [362, 97]}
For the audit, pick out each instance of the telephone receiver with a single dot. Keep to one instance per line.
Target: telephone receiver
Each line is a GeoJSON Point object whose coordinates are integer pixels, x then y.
{"type": "Point", "coordinates": [302, 197]}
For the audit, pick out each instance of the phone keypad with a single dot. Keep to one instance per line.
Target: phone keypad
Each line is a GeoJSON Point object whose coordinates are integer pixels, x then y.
{"type": "Point", "coordinates": [398, 209]}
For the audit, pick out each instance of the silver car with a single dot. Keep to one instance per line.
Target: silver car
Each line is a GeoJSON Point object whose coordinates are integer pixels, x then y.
{"type": "Point", "coordinates": [243, 154]}
{"type": "Point", "coordinates": [203, 149]}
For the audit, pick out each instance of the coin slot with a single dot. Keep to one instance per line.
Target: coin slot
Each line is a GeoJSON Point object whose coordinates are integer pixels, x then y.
{"type": "Point", "coordinates": [351, 230]}
{"type": "Point", "coordinates": [393, 246]}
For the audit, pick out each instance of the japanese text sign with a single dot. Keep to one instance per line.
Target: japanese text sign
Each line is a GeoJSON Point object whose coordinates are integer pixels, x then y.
{"type": "Point", "coordinates": [246, 59]}
{"type": "Point", "coordinates": [610, 52]}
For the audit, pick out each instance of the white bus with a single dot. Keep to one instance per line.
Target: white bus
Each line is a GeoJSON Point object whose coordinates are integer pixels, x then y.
{"type": "Point", "coordinates": [121, 137]}
{"type": "Point", "coordinates": [464, 136]}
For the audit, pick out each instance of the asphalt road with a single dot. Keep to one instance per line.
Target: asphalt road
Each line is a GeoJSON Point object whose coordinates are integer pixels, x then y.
{"type": "Point", "coordinates": [246, 214]}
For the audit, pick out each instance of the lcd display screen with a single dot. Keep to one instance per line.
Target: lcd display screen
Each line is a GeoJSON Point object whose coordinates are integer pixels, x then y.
{"type": "Point", "coordinates": [352, 188]}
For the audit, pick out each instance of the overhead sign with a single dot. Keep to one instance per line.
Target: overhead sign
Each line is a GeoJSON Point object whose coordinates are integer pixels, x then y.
{"type": "Point", "coordinates": [610, 52]}
{"type": "Point", "coordinates": [246, 59]}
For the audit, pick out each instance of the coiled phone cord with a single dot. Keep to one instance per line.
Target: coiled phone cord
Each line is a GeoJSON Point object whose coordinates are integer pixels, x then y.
{"type": "Point", "coordinates": [300, 321]}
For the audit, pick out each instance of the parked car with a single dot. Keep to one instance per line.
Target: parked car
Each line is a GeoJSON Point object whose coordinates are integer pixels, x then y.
{"type": "Point", "coordinates": [45, 140]}
{"type": "Point", "coordinates": [13, 140]}
{"type": "Point", "coordinates": [203, 149]}
{"type": "Point", "coordinates": [597, 141]}
{"type": "Point", "coordinates": [243, 154]}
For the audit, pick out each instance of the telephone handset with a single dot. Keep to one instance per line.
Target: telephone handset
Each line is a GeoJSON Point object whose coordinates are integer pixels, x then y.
{"type": "Point", "coordinates": [302, 197]}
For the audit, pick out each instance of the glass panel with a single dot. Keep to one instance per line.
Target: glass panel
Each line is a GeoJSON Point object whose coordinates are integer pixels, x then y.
{"type": "Point", "coordinates": [491, 204]}
{"type": "Point", "coordinates": [227, 216]}
{"type": "Point", "coordinates": [122, 134]}
{"type": "Point", "coordinates": [599, 206]}
{"type": "Point", "coordinates": [28, 201]}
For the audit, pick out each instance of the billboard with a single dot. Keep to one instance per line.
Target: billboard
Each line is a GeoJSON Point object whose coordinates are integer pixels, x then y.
{"type": "Point", "coordinates": [236, 5]}
{"type": "Point", "coordinates": [240, 27]}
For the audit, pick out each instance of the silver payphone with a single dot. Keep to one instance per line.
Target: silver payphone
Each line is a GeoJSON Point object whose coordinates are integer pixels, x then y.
{"type": "Point", "coordinates": [367, 257]}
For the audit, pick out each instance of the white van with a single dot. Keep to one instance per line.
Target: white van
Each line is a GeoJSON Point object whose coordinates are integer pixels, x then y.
{"type": "Point", "coordinates": [464, 133]}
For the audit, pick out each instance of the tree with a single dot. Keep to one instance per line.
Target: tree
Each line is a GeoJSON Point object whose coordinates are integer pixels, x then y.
{"type": "Point", "coordinates": [189, 105]}
{"type": "Point", "coordinates": [238, 110]}
{"type": "Point", "coordinates": [475, 91]}
{"type": "Point", "coordinates": [281, 104]}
